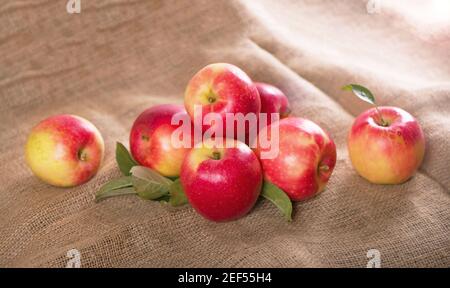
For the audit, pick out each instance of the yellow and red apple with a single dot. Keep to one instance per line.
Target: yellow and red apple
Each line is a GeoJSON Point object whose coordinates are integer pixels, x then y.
{"type": "Point", "coordinates": [305, 159]}
{"type": "Point", "coordinates": [151, 143]}
{"type": "Point", "coordinates": [221, 182]}
{"type": "Point", "coordinates": [64, 150]}
{"type": "Point", "coordinates": [221, 88]}
{"type": "Point", "coordinates": [386, 151]}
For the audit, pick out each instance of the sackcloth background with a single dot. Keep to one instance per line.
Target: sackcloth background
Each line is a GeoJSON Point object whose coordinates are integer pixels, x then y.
{"type": "Point", "coordinates": [118, 57]}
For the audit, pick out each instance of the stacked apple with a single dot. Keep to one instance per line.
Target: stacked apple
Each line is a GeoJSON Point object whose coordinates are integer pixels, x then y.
{"type": "Point", "coordinates": [223, 181]}
{"type": "Point", "coordinates": [220, 174]}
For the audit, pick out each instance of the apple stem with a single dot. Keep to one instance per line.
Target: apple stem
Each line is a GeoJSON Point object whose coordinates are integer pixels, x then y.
{"type": "Point", "coordinates": [211, 96]}
{"type": "Point", "coordinates": [82, 155]}
{"type": "Point", "coordinates": [324, 168]}
{"type": "Point", "coordinates": [216, 155]}
{"type": "Point", "coordinates": [383, 122]}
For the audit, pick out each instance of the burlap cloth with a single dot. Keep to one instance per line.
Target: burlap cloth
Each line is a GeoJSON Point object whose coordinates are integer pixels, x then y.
{"type": "Point", "coordinates": [118, 57]}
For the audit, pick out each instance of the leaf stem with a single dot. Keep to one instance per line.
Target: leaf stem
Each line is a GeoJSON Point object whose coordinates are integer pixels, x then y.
{"type": "Point", "coordinates": [116, 192]}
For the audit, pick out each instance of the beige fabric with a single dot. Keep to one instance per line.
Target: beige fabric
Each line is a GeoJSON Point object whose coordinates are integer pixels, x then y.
{"type": "Point", "coordinates": [118, 57]}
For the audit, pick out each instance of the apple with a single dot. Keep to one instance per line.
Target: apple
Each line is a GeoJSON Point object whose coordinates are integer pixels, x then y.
{"type": "Point", "coordinates": [150, 140]}
{"type": "Point", "coordinates": [64, 150]}
{"type": "Point", "coordinates": [273, 100]}
{"type": "Point", "coordinates": [389, 152]}
{"type": "Point", "coordinates": [305, 160]}
{"type": "Point", "coordinates": [221, 182]}
{"type": "Point", "coordinates": [221, 88]}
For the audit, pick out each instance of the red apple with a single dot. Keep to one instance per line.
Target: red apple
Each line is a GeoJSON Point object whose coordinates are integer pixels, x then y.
{"type": "Point", "coordinates": [64, 150]}
{"type": "Point", "coordinates": [273, 100]}
{"type": "Point", "coordinates": [151, 143]}
{"type": "Point", "coordinates": [305, 160]}
{"type": "Point", "coordinates": [389, 153]}
{"type": "Point", "coordinates": [221, 183]}
{"type": "Point", "coordinates": [221, 88]}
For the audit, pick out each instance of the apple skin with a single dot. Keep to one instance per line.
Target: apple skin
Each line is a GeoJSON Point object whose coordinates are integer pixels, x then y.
{"type": "Point", "coordinates": [64, 150]}
{"type": "Point", "coordinates": [306, 158]}
{"type": "Point", "coordinates": [386, 155]}
{"type": "Point", "coordinates": [150, 140]}
{"type": "Point", "coordinates": [223, 189]}
{"type": "Point", "coordinates": [273, 100]}
{"type": "Point", "coordinates": [221, 88]}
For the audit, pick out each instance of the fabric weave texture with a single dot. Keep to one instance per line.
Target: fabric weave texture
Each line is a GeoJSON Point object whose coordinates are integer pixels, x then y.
{"type": "Point", "coordinates": [116, 58]}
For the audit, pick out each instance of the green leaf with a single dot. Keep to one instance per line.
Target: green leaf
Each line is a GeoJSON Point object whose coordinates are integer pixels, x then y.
{"type": "Point", "coordinates": [164, 199]}
{"type": "Point", "coordinates": [279, 198]}
{"type": "Point", "coordinates": [177, 195]}
{"type": "Point", "coordinates": [115, 187]}
{"type": "Point", "coordinates": [148, 184]}
{"type": "Point", "coordinates": [124, 159]}
{"type": "Point", "coordinates": [362, 92]}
